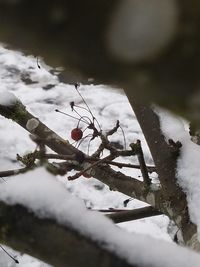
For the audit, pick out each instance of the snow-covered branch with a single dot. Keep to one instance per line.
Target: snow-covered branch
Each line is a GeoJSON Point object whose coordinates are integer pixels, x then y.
{"type": "Point", "coordinates": [41, 218]}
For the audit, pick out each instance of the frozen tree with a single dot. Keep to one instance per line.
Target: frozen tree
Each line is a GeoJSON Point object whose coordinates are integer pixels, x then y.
{"type": "Point", "coordinates": [151, 49]}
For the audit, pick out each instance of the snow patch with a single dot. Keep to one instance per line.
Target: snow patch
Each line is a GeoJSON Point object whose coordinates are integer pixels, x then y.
{"type": "Point", "coordinates": [7, 98]}
{"type": "Point", "coordinates": [32, 124]}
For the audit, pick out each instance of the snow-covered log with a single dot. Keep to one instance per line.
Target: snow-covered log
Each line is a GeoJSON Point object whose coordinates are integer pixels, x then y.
{"type": "Point", "coordinates": [41, 218]}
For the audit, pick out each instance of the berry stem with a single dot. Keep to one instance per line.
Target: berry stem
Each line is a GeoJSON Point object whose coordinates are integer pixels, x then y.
{"type": "Point", "coordinates": [79, 119]}
{"type": "Point", "coordinates": [76, 87]}
{"type": "Point", "coordinates": [88, 108]}
{"type": "Point", "coordinates": [82, 139]}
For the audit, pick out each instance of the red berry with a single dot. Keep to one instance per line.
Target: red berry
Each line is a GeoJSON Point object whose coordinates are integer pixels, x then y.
{"type": "Point", "coordinates": [76, 134]}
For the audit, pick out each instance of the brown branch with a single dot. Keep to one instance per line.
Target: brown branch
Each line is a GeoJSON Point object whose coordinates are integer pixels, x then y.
{"type": "Point", "coordinates": [13, 172]}
{"type": "Point", "coordinates": [127, 165]}
{"type": "Point", "coordinates": [58, 156]}
{"type": "Point", "coordinates": [174, 199]}
{"type": "Point", "coordinates": [114, 130]}
{"type": "Point", "coordinates": [21, 116]}
{"type": "Point", "coordinates": [92, 159]}
{"type": "Point", "coordinates": [41, 146]}
{"type": "Point", "coordinates": [138, 150]}
{"type": "Point", "coordinates": [77, 175]}
{"type": "Point", "coordinates": [131, 215]}
{"type": "Point", "coordinates": [111, 210]}
{"type": "Point", "coordinates": [99, 151]}
{"type": "Point", "coordinates": [124, 165]}
{"type": "Point", "coordinates": [165, 161]}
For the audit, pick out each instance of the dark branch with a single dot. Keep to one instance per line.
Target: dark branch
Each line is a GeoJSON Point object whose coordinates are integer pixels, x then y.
{"type": "Point", "coordinates": [138, 150]}
{"type": "Point", "coordinates": [58, 245]}
{"type": "Point", "coordinates": [131, 215]}
{"type": "Point", "coordinates": [13, 172]}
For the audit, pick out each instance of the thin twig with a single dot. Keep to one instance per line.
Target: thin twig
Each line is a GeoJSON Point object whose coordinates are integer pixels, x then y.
{"type": "Point", "coordinates": [138, 150]}
{"type": "Point", "coordinates": [113, 130]}
{"type": "Point", "coordinates": [41, 146]}
{"type": "Point", "coordinates": [59, 156]}
{"type": "Point", "coordinates": [98, 152]}
{"type": "Point", "coordinates": [127, 165]}
{"type": "Point", "coordinates": [89, 110]}
{"type": "Point", "coordinates": [13, 172]}
{"type": "Point", "coordinates": [110, 210]}
{"type": "Point", "coordinates": [79, 119]}
{"type": "Point", "coordinates": [77, 175]}
{"type": "Point", "coordinates": [131, 215]}
{"type": "Point", "coordinates": [124, 165]}
{"type": "Point", "coordinates": [95, 158]}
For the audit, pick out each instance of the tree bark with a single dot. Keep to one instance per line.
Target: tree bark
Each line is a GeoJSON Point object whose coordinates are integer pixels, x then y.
{"type": "Point", "coordinates": [165, 159]}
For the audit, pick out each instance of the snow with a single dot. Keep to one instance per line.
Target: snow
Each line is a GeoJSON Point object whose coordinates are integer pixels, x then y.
{"type": "Point", "coordinates": [47, 198]}
{"type": "Point", "coordinates": [188, 171]}
{"type": "Point", "coordinates": [32, 124]}
{"type": "Point", "coordinates": [25, 260]}
{"type": "Point", "coordinates": [154, 227]}
{"type": "Point", "coordinates": [7, 98]}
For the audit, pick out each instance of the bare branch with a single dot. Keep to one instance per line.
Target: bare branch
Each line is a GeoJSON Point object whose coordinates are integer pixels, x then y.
{"type": "Point", "coordinates": [13, 172]}
{"type": "Point", "coordinates": [112, 131]}
{"type": "Point", "coordinates": [97, 163]}
{"type": "Point", "coordinates": [138, 150]}
{"type": "Point", "coordinates": [166, 163]}
{"type": "Point", "coordinates": [59, 156]}
{"type": "Point", "coordinates": [124, 165]}
{"type": "Point", "coordinates": [131, 215]}
{"type": "Point", "coordinates": [127, 165]}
